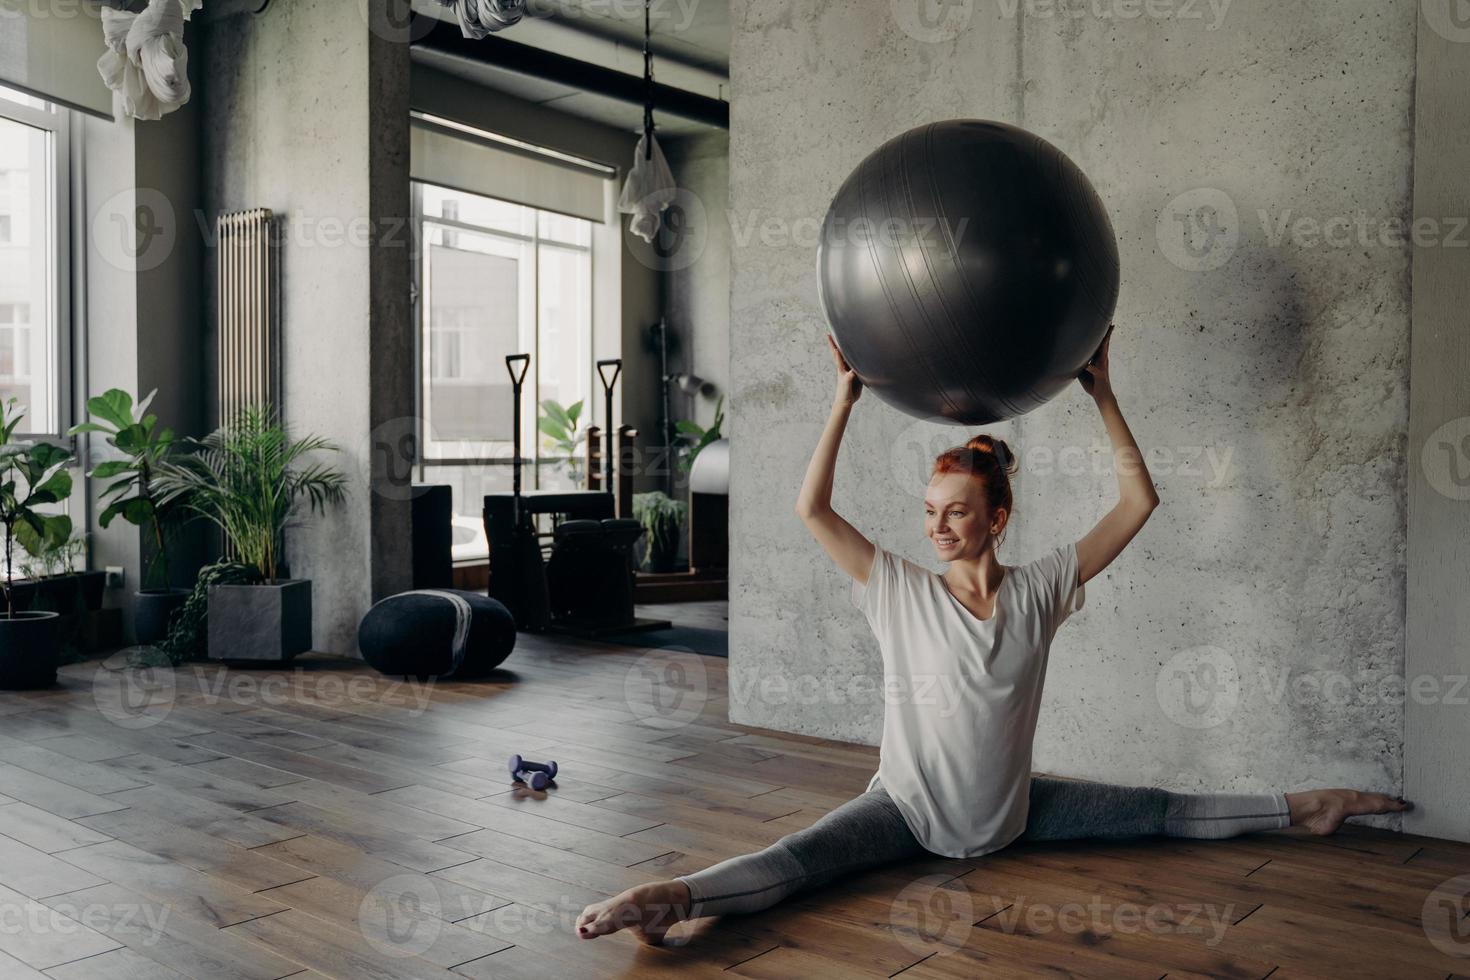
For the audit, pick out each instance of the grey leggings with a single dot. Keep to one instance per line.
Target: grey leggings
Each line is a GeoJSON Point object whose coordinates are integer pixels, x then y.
{"type": "Point", "coordinates": [870, 831]}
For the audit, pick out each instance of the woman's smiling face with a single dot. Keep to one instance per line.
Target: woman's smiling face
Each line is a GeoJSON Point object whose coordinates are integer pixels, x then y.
{"type": "Point", "coordinates": [956, 517]}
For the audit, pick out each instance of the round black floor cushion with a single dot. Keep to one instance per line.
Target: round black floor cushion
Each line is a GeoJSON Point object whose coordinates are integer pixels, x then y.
{"type": "Point", "coordinates": [437, 633]}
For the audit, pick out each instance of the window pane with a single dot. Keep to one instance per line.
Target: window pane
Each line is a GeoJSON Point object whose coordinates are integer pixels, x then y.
{"type": "Point", "coordinates": [474, 320]}
{"type": "Point", "coordinates": [568, 231]}
{"type": "Point", "coordinates": [27, 272]}
{"type": "Point", "coordinates": [441, 202]}
{"type": "Point", "coordinates": [12, 95]}
{"type": "Point", "coordinates": [565, 324]}
{"type": "Point", "coordinates": [469, 484]}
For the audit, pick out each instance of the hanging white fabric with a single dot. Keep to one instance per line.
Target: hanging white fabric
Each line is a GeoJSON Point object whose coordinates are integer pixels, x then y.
{"type": "Point", "coordinates": [146, 60]}
{"type": "Point", "coordinates": [480, 17]}
{"type": "Point", "coordinates": [649, 189]}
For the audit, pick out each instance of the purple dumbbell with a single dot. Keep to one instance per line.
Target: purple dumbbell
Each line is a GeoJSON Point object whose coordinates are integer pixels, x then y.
{"type": "Point", "coordinates": [517, 764]}
{"type": "Point", "coordinates": [537, 780]}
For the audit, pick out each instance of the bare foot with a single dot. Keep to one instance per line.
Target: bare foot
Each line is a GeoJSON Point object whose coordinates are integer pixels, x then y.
{"type": "Point", "coordinates": [1323, 810]}
{"type": "Point", "coordinates": [647, 910]}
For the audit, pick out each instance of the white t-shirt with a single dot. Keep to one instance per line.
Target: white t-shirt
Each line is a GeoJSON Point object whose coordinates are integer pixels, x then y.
{"type": "Point", "coordinates": [962, 695]}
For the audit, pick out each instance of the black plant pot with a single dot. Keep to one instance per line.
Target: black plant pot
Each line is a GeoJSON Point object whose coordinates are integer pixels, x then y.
{"type": "Point", "coordinates": [28, 650]}
{"type": "Point", "coordinates": [663, 551]}
{"type": "Point", "coordinates": [152, 610]}
{"type": "Point", "coordinates": [93, 584]}
{"type": "Point", "coordinates": [268, 623]}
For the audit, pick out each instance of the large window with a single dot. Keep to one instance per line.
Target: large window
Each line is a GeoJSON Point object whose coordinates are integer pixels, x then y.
{"type": "Point", "coordinates": [34, 258]}
{"type": "Point", "coordinates": [496, 278]}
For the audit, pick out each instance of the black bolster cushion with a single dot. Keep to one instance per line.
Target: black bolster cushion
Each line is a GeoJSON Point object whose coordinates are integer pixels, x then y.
{"type": "Point", "coordinates": [413, 633]}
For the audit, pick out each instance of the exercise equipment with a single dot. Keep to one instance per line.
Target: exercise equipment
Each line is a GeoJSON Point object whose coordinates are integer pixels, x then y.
{"type": "Point", "coordinates": [432, 512]}
{"type": "Point", "coordinates": [536, 775]}
{"type": "Point", "coordinates": [535, 780]}
{"type": "Point", "coordinates": [589, 575]}
{"type": "Point", "coordinates": [517, 764]}
{"type": "Point", "coordinates": [615, 365]}
{"type": "Point", "coordinates": [517, 576]}
{"type": "Point", "coordinates": [587, 585]}
{"type": "Point", "coordinates": [517, 569]}
{"type": "Point", "coordinates": [968, 271]}
{"type": "Point", "coordinates": [437, 633]}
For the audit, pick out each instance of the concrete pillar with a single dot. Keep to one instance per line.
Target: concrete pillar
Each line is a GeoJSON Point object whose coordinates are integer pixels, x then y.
{"type": "Point", "coordinates": [1437, 659]}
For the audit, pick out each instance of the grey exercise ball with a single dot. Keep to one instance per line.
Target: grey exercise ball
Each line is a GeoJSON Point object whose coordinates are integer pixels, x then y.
{"type": "Point", "coordinates": [968, 271]}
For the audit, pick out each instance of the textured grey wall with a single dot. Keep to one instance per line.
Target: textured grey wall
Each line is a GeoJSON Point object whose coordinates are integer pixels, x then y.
{"type": "Point", "coordinates": [1261, 364]}
{"type": "Point", "coordinates": [305, 113]}
{"type": "Point", "coordinates": [697, 296]}
{"type": "Point", "coordinates": [1436, 724]}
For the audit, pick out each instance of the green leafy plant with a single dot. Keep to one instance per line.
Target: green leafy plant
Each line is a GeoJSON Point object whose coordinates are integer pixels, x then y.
{"type": "Point", "coordinates": [32, 475]}
{"type": "Point", "coordinates": [661, 517]}
{"type": "Point", "coordinates": [55, 558]}
{"type": "Point", "coordinates": [186, 632]}
{"type": "Point", "coordinates": [248, 477]}
{"type": "Point", "coordinates": [563, 436]}
{"type": "Point", "coordinates": [695, 436]}
{"type": "Point", "coordinates": [133, 495]}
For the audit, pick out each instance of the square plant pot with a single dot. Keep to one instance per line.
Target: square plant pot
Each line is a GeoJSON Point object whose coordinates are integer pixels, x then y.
{"type": "Point", "coordinates": [270, 623]}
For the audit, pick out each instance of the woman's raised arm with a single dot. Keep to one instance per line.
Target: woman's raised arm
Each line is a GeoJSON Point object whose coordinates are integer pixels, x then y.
{"type": "Point", "coordinates": [1137, 497]}
{"type": "Point", "coordinates": [852, 552]}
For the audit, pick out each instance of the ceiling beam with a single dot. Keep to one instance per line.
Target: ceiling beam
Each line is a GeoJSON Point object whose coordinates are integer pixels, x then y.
{"type": "Point", "coordinates": [498, 52]}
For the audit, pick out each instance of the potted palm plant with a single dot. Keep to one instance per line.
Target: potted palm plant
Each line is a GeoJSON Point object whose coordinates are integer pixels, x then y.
{"type": "Point", "coordinates": [142, 448]}
{"type": "Point", "coordinates": [32, 475]}
{"type": "Point", "coordinates": [249, 478]}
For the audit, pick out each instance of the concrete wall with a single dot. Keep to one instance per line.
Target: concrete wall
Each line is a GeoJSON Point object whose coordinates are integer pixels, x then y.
{"type": "Point", "coordinates": [305, 113]}
{"type": "Point", "coordinates": [697, 296]}
{"type": "Point", "coordinates": [1266, 373]}
{"type": "Point", "coordinates": [1437, 726]}
{"type": "Point", "coordinates": [111, 316]}
{"type": "Point", "coordinates": [142, 313]}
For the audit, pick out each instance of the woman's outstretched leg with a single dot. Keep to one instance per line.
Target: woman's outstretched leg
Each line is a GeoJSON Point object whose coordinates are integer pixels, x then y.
{"type": "Point", "coordinates": [862, 833]}
{"type": "Point", "coordinates": [1066, 809]}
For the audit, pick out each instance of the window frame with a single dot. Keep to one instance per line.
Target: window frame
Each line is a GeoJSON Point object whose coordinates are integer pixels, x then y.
{"type": "Point", "coordinates": [60, 123]}
{"type": "Point", "coordinates": [501, 452]}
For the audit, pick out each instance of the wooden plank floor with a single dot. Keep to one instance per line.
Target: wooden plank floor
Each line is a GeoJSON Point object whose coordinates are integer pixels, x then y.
{"type": "Point", "coordinates": [324, 821]}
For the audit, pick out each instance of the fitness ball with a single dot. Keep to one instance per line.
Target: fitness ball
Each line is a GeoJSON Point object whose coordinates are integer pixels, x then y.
{"type": "Point", "coordinates": [968, 271]}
